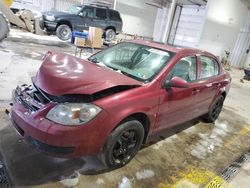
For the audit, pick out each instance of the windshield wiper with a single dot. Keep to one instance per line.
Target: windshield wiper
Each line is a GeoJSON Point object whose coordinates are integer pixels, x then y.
{"type": "Point", "coordinates": [93, 59]}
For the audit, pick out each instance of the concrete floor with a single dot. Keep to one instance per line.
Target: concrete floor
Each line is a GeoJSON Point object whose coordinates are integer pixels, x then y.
{"type": "Point", "coordinates": [192, 158]}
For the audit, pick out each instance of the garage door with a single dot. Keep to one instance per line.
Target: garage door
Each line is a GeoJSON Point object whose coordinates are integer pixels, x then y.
{"type": "Point", "coordinates": [188, 27]}
{"type": "Point", "coordinates": [242, 46]}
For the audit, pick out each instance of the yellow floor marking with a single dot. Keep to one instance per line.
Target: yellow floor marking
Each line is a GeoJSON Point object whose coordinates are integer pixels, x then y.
{"type": "Point", "coordinates": [193, 177]}
{"type": "Point", "coordinates": [218, 182]}
{"type": "Point", "coordinates": [244, 131]}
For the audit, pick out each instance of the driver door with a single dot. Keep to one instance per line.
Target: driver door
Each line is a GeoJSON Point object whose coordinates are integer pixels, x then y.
{"type": "Point", "coordinates": [178, 105]}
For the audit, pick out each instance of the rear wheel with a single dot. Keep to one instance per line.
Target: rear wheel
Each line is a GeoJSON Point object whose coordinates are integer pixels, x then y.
{"type": "Point", "coordinates": [4, 27]}
{"type": "Point", "coordinates": [110, 34]}
{"type": "Point", "coordinates": [63, 32]}
{"type": "Point", "coordinates": [123, 144]}
{"type": "Point", "coordinates": [214, 110]}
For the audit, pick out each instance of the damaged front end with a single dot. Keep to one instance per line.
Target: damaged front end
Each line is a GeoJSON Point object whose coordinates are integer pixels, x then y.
{"type": "Point", "coordinates": [34, 98]}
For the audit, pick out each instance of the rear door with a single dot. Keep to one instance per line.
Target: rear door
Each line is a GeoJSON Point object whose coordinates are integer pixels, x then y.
{"type": "Point", "coordinates": [115, 20]}
{"type": "Point", "coordinates": [100, 18]}
{"type": "Point", "coordinates": [210, 81]}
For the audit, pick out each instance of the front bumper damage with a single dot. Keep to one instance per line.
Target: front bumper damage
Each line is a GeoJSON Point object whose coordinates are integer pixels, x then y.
{"type": "Point", "coordinates": [28, 116]}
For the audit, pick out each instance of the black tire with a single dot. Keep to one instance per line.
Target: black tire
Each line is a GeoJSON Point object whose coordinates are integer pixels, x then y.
{"type": "Point", "coordinates": [214, 110]}
{"type": "Point", "coordinates": [4, 27]}
{"type": "Point", "coordinates": [63, 32]}
{"type": "Point", "coordinates": [123, 144]}
{"type": "Point", "coordinates": [110, 34]}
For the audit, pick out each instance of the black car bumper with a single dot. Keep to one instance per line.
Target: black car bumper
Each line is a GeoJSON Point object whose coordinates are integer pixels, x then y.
{"type": "Point", "coordinates": [49, 26]}
{"type": "Point", "coordinates": [53, 150]}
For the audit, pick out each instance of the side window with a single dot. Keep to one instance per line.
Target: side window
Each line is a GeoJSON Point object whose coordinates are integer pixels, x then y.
{"type": "Point", "coordinates": [209, 67]}
{"type": "Point", "coordinates": [87, 12]}
{"type": "Point", "coordinates": [101, 13]}
{"type": "Point", "coordinates": [114, 16]}
{"type": "Point", "coordinates": [185, 69]}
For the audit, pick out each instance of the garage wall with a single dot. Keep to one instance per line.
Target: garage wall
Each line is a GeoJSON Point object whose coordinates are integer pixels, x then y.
{"type": "Point", "coordinates": [224, 18]}
{"type": "Point", "coordinates": [138, 17]}
{"type": "Point", "coordinates": [160, 22]}
{"type": "Point", "coordinates": [44, 5]}
{"type": "Point", "coordinates": [240, 57]}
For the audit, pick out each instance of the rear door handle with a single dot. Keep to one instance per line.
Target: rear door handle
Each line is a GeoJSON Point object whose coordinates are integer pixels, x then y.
{"type": "Point", "coordinates": [195, 91]}
{"type": "Point", "coordinates": [217, 84]}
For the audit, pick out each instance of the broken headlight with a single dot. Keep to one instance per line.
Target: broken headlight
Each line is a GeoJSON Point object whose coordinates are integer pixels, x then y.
{"type": "Point", "coordinates": [73, 113]}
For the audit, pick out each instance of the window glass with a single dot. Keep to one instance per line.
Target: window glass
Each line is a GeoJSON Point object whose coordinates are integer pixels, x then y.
{"type": "Point", "coordinates": [101, 13]}
{"type": "Point", "coordinates": [73, 9]}
{"type": "Point", "coordinates": [114, 16]}
{"type": "Point", "coordinates": [209, 67]}
{"type": "Point", "coordinates": [87, 12]}
{"type": "Point", "coordinates": [137, 61]}
{"type": "Point", "coordinates": [185, 69]}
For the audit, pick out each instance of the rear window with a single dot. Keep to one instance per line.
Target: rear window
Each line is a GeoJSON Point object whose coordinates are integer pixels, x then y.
{"type": "Point", "coordinates": [114, 16]}
{"type": "Point", "coordinates": [101, 13]}
{"type": "Point", "coordinates": [209, 67]}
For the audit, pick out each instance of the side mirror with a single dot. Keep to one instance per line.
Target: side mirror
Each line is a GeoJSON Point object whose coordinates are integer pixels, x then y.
{"type": "Point", "coordinates": [176, 82]}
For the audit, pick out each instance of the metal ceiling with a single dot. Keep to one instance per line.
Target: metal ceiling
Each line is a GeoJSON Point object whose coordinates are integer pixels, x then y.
{"type": "Point", "coordinates": [164, 3]}
{"type": "Point", "coordinates": [108, 3]}
{"type": "Point", "coordinates": [192, 2]}
{"type": "Point", "coordinates": [156, 3]}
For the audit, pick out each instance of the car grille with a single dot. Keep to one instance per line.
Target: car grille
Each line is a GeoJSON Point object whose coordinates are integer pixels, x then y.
{"type": "Point", "coordinates": [30, 97]}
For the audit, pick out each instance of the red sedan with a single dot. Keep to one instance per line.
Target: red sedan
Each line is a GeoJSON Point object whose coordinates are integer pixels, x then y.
{"type": "Point", "coordinates": [114, 101]}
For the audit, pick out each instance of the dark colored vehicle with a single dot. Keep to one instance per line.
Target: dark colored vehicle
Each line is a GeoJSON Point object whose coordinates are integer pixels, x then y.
{"type": "Point", "coordinates": [116, 100]}
{"type": "Point", "coordinates": [80, 17]}
{"type": "Point", "coordinates": [247, 73]}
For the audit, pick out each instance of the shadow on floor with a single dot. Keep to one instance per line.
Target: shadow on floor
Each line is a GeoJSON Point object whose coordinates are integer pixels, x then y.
{"type": "Point", "coordinates": [28, 167]}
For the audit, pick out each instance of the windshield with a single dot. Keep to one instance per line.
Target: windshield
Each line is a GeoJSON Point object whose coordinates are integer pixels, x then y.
{"type": "Point", "coordinates": [73, 9]}
{"type": "Point", "coordinates": [140, 62]}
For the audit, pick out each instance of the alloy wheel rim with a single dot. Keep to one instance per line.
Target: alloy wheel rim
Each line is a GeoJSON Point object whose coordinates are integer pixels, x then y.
{"type": "Point", "coordinates": [65, 33]}
{"type": "Point", "coordinates": [110, 35]}
{"type": "Point", "coordinates": [125, 146]}
{"type": "Point", "coordinates": [216, 109]}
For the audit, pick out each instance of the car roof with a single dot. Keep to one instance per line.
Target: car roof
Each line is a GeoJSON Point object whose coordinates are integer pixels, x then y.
{"type": "Point", "coordinates": [172, 48]}
{"type": "Point", "coordinates": [98, 6]}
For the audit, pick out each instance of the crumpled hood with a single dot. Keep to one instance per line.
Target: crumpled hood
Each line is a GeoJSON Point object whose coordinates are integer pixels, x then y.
{"type": "Point", "coordinates": [62, 74]}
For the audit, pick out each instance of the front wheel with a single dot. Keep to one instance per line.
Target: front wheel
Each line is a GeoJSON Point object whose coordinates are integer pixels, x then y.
{"type": "Point", "coordinates": [63, 32]}
{"type": "Point", "coordinates": [123, 144]}
{"type": "Point", "coordinates": [214, 110]}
